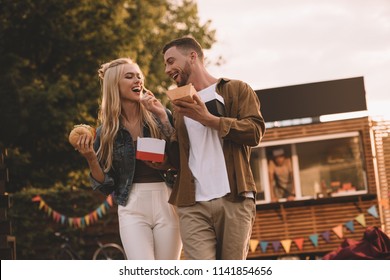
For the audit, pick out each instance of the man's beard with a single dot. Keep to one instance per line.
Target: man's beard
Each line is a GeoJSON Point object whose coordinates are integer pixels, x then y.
{"type": "Point", "coordinates": [184, 75]}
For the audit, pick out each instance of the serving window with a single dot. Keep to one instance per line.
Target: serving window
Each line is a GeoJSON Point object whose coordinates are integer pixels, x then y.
{"type": "Point", "coordinates": [309, 168]}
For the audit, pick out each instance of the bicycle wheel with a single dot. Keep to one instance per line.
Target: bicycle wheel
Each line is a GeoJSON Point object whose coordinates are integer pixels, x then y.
{"type": "Point", "coordinates": [109, 251]}
{"type": "Point", "coordinates": [64, 254]}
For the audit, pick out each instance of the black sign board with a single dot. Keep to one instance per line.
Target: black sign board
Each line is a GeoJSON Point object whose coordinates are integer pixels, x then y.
{"type": "Point", "coordinates": [313, 100]}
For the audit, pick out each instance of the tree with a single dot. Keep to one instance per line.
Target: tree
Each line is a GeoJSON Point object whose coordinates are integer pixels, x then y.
{"type": "Point", "coordinates": [50, 51]}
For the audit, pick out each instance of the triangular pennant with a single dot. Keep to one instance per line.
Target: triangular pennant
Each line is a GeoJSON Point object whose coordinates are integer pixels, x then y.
{"type": "Point", "coordinates": [286, 245]}
{"type": "Point", "coordinates": [326, 236]}
{"type": "Point", "coordinates": [99, 212]}
{"type": "Point", "coordinates": [77, 222]}
{"type": "Point", "coordinates": [338, 230]}
{"type": "Point", "coordinates": [253, 243]}
{"type": "Point", "coordinates": [56, 216]}
{"type": "Point", "coordinates": [314, 239]}
{"type": "Point", "coordinates": [276, 245]}
{"type": "Point", "coordinates": [86, 218]}
{"type": "Point", "coordinates": [299, 243]}
{"type": "Point", "coordinates": [361, 219]}
{"type": "Point", "coordinates": [372, 211]}
{"type": "Point", "coordinates": [63, 219]}
{"type": "Point", "coordinates": [103, 209]}
{"type": "Point", "coordinates": [36, 198]}
{"type": "Point", "coordinates": [385, 203]}
{"type": "Point", "coordinates": [349, 225]}
{"type": "Point", "coordinates": [70, 221]}
{"type": "Point", "coordinates": [49, 211]}
{"type": "Point", "coordinates": [41, 204]}
{"type": "Point", "coordinates": [109, 200]}
{"type": "Point", "coordinates": [95, 216]}
{"type": "Point", "coordinates": [263, 245]}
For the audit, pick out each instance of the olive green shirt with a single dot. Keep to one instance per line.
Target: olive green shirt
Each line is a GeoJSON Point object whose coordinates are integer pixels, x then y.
{"type": "Point", "coordinates": [242, 128]}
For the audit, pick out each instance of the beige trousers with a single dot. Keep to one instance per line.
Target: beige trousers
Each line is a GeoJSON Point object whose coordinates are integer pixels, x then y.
{"type": "Point", "coordinates": [217, 229]}
{"type": "Point", "coordinates": [148, 225]}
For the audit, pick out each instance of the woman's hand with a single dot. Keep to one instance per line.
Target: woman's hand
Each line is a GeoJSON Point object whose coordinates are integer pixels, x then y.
{"type": "Point", "coordinates": [165, 165]}
{"type": "Point", "coordinates": [153, 105]}
{"type": "Point", "coordinates": [85, 147]}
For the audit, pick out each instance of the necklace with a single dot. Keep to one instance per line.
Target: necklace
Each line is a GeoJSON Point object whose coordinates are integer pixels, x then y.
{"type": "Point", "coordinates": [135, 127]}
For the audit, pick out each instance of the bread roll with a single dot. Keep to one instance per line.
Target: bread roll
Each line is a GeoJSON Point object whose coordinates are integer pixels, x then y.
{"type": "Point", "coordinates": [79, 130]}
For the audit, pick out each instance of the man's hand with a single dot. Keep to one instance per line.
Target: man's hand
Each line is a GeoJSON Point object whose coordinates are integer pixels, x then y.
{"type": "Point", "coordinates": [196, 111]}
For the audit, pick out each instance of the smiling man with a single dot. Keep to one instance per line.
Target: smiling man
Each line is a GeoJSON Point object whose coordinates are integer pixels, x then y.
{"type": "Point", "coordinates": [214, 191]}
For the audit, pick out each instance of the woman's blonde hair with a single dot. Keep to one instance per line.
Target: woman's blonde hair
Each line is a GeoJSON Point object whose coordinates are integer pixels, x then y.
{"type": "Point", "coordinates": [110, 110]}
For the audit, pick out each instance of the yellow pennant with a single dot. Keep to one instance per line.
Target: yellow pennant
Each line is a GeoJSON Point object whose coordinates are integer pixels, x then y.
{"type": "Point", "coordinates": [41, 204]}
{"type": "Point", "coordinates": [361, 219]}
{"type": "Point", "coordinates": [286, 245]}
{"type": "Point", "coordinates": [253, 244]}
{"type": "Point", "coordinates": [103, 208]}
{"type": "Point", "coordinates": [86, 217]}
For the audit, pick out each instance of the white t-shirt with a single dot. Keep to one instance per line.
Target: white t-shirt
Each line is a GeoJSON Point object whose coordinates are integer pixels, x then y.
{"type": "Point", "coordinates": [206, 161]}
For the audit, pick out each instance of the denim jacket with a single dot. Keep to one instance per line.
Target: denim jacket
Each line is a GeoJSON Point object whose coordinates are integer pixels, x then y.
{"type": "Point", "coordinates": [118, 180]}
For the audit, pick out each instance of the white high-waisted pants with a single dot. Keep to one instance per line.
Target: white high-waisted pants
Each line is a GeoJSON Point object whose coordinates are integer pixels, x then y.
{"type": "Point", "coordinates": [148, 224]}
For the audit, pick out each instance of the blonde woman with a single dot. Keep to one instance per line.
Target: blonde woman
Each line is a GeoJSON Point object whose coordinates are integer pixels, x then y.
{"type": "Point", "coordinates": [148, 224]}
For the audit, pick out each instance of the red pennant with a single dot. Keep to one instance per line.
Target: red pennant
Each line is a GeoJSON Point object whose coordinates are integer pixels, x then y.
{"type": "Point", "coordinates": [109, 200]}
{"type": "Point", "coordinates": [299, 243]}
{"type": "Point", "coordinates": [36, 198]}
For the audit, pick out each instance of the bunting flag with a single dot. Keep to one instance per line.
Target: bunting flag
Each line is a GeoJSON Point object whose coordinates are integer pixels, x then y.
{"type": "Point", "coordinates": [253, 243]}
{"type": "Point", "coordinates": [299, 242]}
{"type": "Point", "coordinates": [372, 210]}
{"type": "Point", "coordinates": [286, 245]}
{"type": "Point", "coordinates": [263, 245]}
{"type": "Point", "coordinates": [349, 225]}
{"type": "Point", "coordinates": [78, 222]}
{"type": "Point", "coordinates": [314, 239]}
{"type": "Point", "coordinates": [361, 219]}
{"type": "Point", "coordinates": [385, 203]}
{"type": "Point", "coordinates": [338, 230]}
{"type": "Point", "coordinates": [326, 236]}
{"type": "Point", "coordinates": [276, 245]}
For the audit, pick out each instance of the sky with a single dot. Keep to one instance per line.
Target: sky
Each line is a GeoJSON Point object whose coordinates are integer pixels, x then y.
{"type": "Point", "coordinates": [276, 43]}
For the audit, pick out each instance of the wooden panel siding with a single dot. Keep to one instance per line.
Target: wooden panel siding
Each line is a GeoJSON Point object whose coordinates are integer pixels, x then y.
{"type": "Point", "coordinates": [301, 219]}
{"type": "Point", "coordinates": [382, 143]}
{"type": "Point", "coordinates": [290, 223]}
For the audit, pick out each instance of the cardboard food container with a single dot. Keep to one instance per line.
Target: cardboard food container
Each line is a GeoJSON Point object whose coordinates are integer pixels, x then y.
{"type": "Point", "coordinates": [150, 149]}
{"type": "Point", "coordinates": [183, 93]}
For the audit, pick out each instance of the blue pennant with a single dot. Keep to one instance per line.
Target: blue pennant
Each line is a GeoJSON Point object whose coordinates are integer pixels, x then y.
{"type": "Point", "coordinates": [350, 226]}
{"type": "Point", "coordinates": [263, 245]}
{"type": "Point", "coordinates": [372, 211]}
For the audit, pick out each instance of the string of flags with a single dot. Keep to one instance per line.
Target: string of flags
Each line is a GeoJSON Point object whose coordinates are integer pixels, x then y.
{"type": "Point", "coordinates": [78, 222]}
{"type": "Point", "coordinates": [337, 230]}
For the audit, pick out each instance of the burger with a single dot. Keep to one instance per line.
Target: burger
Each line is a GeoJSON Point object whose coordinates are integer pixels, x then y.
{"type": "Point", "coordinates": [78, 130]}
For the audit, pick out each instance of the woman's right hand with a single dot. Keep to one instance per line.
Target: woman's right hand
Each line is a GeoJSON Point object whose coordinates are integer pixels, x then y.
{"type": "Point", "coordinates": [85, 147]}
{"type": "Point", "coordinates": [153, 105]}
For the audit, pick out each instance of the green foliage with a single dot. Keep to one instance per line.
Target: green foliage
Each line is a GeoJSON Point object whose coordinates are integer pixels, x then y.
{"type": "Point", "coordinates": [50, 52]}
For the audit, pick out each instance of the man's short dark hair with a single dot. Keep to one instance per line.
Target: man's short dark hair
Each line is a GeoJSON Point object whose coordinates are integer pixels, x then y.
{"type": "Point", "coordinates": [185, 43]}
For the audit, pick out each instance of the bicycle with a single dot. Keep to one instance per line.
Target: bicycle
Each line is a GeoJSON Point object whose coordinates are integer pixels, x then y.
{"type": "Point", "coordinates": [108, 251]}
